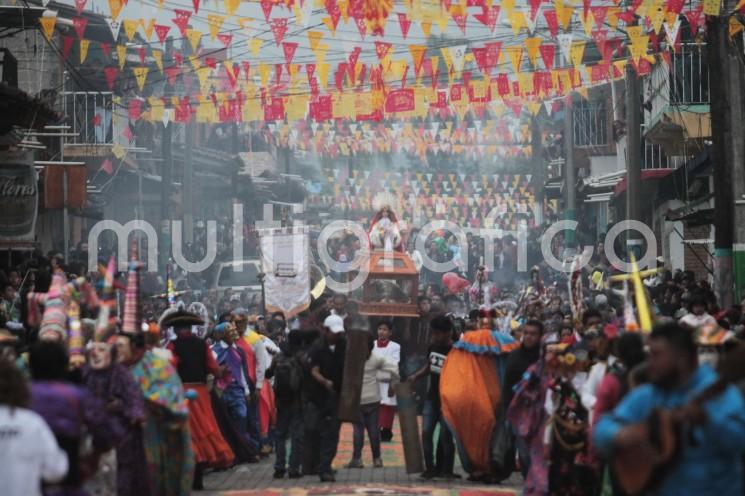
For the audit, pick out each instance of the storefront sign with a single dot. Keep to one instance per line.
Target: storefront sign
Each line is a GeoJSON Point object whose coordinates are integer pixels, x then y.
{"type": "Point", "coordinates": [19, 199]}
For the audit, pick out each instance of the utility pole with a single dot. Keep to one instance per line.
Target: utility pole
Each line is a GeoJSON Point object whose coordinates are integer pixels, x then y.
{"type": "Point", "coordinates": [721, 157]}
{"type": "Point", "coordinates": [188, 186]}
{"type": "Point", "coordinates": [570, 181]}
{"type": "Point", "coordinates": [166, 175]}
{"type": "Point", "coordinates": [736, 80]}
{"type": "Point", "coordinates": [164, 245]}
{"type": "Point", "coordinates": [538, 168]}
{"type": "Point", "coordinates": [633, 157]}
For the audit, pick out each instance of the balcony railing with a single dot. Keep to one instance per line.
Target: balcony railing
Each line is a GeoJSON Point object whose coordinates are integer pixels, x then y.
{"type": "Point", "coordinates": [684, 82]}
{"type": "Point", "coordinates": [655, 158]}
{"type": "Point", "coordinates": [590, 124]}
{"type": "Point", "coordinates": [90, 117]}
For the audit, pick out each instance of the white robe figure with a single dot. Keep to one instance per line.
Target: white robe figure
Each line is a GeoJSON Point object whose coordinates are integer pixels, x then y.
{"type": "Point", "coordinates": [391, 352]}
{"type": "Point", "coordinates": [385, 234]}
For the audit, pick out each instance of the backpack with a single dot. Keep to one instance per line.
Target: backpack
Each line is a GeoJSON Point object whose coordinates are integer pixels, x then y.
{"type": "Point", "coordinates": [288, 375]}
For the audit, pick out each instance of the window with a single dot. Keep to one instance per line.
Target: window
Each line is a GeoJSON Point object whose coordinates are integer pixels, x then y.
{"type": "Point", "coordinates": [590, 123]}
{"type": "Point", "coordinates": [247, 277]}
{"type": "Point", "coordinates": [689, 75]}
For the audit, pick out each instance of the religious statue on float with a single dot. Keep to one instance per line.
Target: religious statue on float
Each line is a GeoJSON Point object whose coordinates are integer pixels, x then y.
{"type": "Point", "coordinates": [384, 230]}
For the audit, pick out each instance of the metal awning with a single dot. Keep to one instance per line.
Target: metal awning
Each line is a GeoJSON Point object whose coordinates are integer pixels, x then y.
{"type": "Point", "coordinates": [599, 197]}
{"type": "Point", "coordinates": [20, 16]}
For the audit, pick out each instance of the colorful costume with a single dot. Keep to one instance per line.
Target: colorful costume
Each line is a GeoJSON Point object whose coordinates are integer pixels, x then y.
{"type": "Point", "coordinates": [229, 402]}
{"type": "Point", "coordinates": [470, 394]}
{"type": "Point", "coordinates": [57, 311]}
{"type": "Point", "coordinates": [194, 360]}
{"type": "Point", "coordinates": [71, 412]}
{"type": "Point", "coordinates": [118, 389]}
{"type": "Point", "coordinates": [166, 432]}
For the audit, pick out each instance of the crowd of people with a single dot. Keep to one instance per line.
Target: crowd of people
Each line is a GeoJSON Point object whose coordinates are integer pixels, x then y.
{"type": "Point", "coordinates": [555, 381]}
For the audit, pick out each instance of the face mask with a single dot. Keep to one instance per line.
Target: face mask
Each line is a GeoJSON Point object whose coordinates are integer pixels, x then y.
{"type": "Point", "coordinates": [100, 356]}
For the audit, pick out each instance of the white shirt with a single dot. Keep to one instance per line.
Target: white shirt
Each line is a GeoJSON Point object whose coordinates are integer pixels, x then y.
{"type": "Point", "coordinates": [392, 353]}
{"type": "Point", "coordinates": [590, 387]}
{"type": "Point", "coordinates": [370, 386]}
{"type": "Point", "coordinates": [263, 360]}
{"type": "Point", "coordinates": [697, 321]}
{"type": "Point", "coordinates": [29, 453]}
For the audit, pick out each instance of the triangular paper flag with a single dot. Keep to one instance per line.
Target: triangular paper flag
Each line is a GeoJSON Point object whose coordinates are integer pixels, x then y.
{"type": "Point", "coordinates": [182, 20]}
{"type": "Point", "coordinates": [80, 6]}
{"type": "Point", "coordinates": [215, 23]}
{"type": "Point", "coordinates": [161, 32]}
{"type": "Point", "coordinates": [255, 44]}
{"type": "Point", "coordinates": [202, 74]}
{"type": "Point", "coordinates": [194, 36]}
{"type": "Point", "coordinates": [532, 45]}
{"type": "Point", "coordinates": [140, 76]}
{"type": "Point", "coordinates": [289, 49]}
{"type": "Point", "coordinates": [279, 28]}
{"type": "Point", "coordinates": [84, 50]}
{"type": "Point", "coordinates": [266, 7]}
{"type": "Point", "coordinates": [115, 8]}
{"type": "Point", "coordinates": [231, 6]}
{"type": "Point", "coordinates": [515, 55]}
{"type": "Point", "coordinates": [489, 17]}
{"type": "Point", "coordinates": [565, 45]}
{"type": "Point", "coordinates": [577, 52]}
{"type": "Point", "coordinates": [47, 26]}
{"type": "Point", "coordinates": [552, 22]}
{"type": "Point", "coordinates": [158, 56]}
{"type": "Point", "coordinates": [548, 54]}
{"type": "Point", "coordinates": [382, 49]}
{"type": "Point", "coordinates": [442, 20]}
{"type": "Point", "coordinates": [460, 21]}
{"type": "Point", "coordinates": [148, 29]}
{"type": "Point", "coordinates": [457, 55]}
{"type": "Point", "coordinates": [417, 57]}
{"type": "Point", "coordinates": [563, 13]}
{"type": "Point", "coordinates": [404, 23]}
{"type": "Point", "coordinates": [314, 37]}
{"type": "Point", "coordinates": [516, 20]}
{"type": "Point", "coordinates": [110, 73]}
{"type": "Point", "coordinates": [79, 23]}
{"type": "Point", "coordinates": [225, 39]}
{"type": "Point", "coordinates": [426, 28]}
{"type": "Point", "coordinates": [121, 53]}
{"type": "Point", "coordinates": [130, 28]}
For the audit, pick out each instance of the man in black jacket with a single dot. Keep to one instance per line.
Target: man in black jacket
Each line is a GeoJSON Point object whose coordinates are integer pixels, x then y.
{"type": "Point", "coordinates": [327, 371]}
{"type": "Point", "coordinates": [517, 363]}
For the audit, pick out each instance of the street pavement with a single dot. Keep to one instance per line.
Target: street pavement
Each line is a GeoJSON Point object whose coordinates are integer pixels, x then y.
{"type": "Point", "coordinates": [256, 479]}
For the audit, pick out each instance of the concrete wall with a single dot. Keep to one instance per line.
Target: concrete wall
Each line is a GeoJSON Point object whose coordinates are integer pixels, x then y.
{"type": "Point", "coordinates": [38, 65]}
